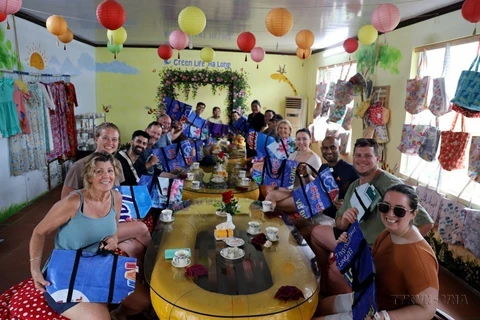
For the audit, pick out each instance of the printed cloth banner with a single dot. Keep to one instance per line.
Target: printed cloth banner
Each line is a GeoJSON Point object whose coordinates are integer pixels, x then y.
{"type": "Point", "coordinates": [174, 156]}
{"type": "Point", "coordinates": [241, 126]}
{"type": "Point", "coordinates": [471, 231]}
{"type": "Point", "coordinates": [217, 130]}
{"type": "Point", "coordinates": [314, 197]}
{"type": "Point", "coordinates": [451, 221]}
{"type": "Point", "coordinates": [81, 276]}
{"type": "Point", "coordinates": [176, 109]}
{"type": "Point", "coordinates": [355, 261]}
{"type": "Point", "coordinates": [274, 172]}
{"type": "Point", "coordinates": [164, 192]}
{"type": "Point", "coordinates": [136, 202]}
{"type": "Point", "coordinates": [468, 87]}
{"type": "Point", "coordinates": [281, 148]}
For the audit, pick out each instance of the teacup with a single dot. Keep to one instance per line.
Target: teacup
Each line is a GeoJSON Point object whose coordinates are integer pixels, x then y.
{"type": "Point", "coordinates": [167, 214]}
{"type": "Point", "coordinates": [195, 184]}
{"type": "Point", "coordinates": [266, 206]}
{"type": "Point", "coordinates": [190, 176]}
{"type": "Point", "coordinates": [181, 258]}
{"type": "Point", "coordinates": [254, 227]}
{"type": "Point", "coordinates": [272, 233]}
{"type": "Point", "coordinates": [196, 165]}
{"type": "Point", "coordinates": [242, 174]}
{"type": "Point", "coordinates": [245, 181]}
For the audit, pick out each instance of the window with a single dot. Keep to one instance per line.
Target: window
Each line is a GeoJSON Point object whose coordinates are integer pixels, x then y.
{"type": "Point", "coordinates": [451, 182]}
{"type": "Point", "coordinates": [330, 74]}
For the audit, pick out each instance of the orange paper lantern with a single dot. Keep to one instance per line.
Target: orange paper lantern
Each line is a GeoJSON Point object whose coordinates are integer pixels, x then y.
{"type": "Point", "coordinates": [56, 25]}
{"type": "Point", "coordinates": [279, 22]}
{"type": "Point", "coordinates": [67, 37]}
{"type": "Point", "coordinates": [305, 39]}
{"type": "Point", "coordinates": [304, 53]}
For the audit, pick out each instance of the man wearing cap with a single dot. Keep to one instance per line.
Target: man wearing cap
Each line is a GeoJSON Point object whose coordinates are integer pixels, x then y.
{"type": "Point", "coordinates": [272, 125]}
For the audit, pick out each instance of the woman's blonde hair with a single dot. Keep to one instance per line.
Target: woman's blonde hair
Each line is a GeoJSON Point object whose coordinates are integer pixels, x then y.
{"type": "Point", "coordinates": [289, 125]}
{"type": "Point", "coordinates": [90, 165]}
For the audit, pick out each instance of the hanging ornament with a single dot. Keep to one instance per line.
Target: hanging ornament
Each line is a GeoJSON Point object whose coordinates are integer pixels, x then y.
{"type": "Point", "coordinates": [165, 52]}
{"type": "Point", "coordinates": [257, 54]}
{"type": "Point", "coordinates": [10, 6]}
{"type": "Point", "coordinates": [350, 45]}
{"type": "Point", "coordinates": [114, 48]}
{"type": "Point", "coordinates": [367, 34]}
{"type": "Point", "coordinates": [303, 54]}
{"type": "Point", "coordinates": [471, 12]}
{"type": "Point", "coordinates": [207, 54]}
{"type": "Point", "coordinates": [111, 14]}
{"type": "Point", "coordinates": [305, 39]}
{"type": "Point", "coordinates": [386, 17]}
{"type": "Point", "coordinates": [246, 42]}
{"type": "Point", "coordinates": [178, 40]}
{"type": "Point", "coordinates": [118, 36]}
{"type": "Point", "coordinates": [192, 21]}
{"type": "Point", "coordinates": [279, 22]}
{"type": "Point", "coordinates": [56, 25]}
{"type": "Point", "coordinates": [67, 37]}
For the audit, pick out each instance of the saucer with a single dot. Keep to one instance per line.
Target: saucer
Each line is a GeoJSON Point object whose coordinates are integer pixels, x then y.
{"type": "Point", "coordinates": [224, 253]}
{"type": "Point", "coordinates": [183, 266]}
{"type": "Point", "coordinates": [167, 221]}
{"type": "Point", "coordinates": [275, 240]}
{"type": "Point", "coordinates": [253, 234]}
{"type": "Point", "coordinates": [218, 180]}
{"type": "Point", "coordinates": [234, 242]}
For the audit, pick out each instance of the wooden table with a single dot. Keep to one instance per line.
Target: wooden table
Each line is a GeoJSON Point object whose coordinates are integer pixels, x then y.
{"type": "Point", "coordinates": [233, 289]}
{"type": "Point", "coordinates": [251, 192]}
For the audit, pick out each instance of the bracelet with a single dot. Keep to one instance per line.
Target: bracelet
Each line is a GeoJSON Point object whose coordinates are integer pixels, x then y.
{"type": "Point", "coordinates": [34, 259]}
{"type": "Point", "coordinates": [385, 315]}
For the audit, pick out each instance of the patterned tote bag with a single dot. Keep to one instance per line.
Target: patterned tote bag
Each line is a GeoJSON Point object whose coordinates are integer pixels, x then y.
{"type": "Point", "coordinates": [453, 147]}
{"type": "Point", "coordinates": [176, 109]}
{"type": "Point", "coordinates": [471, 231]}
{"type": "Point", "coordinates": [347, 120]}
{"type": "Point", "coordinates": [331, 91]}
{"type": "Point", "coordinates": [417, 90]}
{"type": "Point", "coordinates": [468, 87]}
{"type": "Point", "coordinates": [344, 138]}
{"type": "Point", "coordinates": [440, 104]}
{"type": "Point", "coordinates": [452, 218]}
{"type": "Point", "coordinates": [474, 159]}
{"type": "Point", "coordinates": [429, 148]}
{"type": "Point", "coordinates": [430, 198]}
{"type": "Point", "coordinates": [381, 134]}
{"type": "Point", "coordinates": [344, 90]}
{"type": "Point", "coordinates": [321, 91]}
{"type": "Point", "coordinates": [413, 136]}
{"type": "Point", "coordinates": [362, 108]}
{"type": "Point", "coordinates": [337, 112]}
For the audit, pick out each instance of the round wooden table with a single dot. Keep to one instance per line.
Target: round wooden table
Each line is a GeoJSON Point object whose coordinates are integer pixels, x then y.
{"type": "Point", "coordinates": [233, 289]}
{"type": "Point", "coordinates": [250, 192]}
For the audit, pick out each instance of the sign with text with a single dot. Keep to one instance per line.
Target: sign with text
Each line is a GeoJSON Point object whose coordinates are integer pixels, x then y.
{"type": "Point", "coordinates": [197, 63]}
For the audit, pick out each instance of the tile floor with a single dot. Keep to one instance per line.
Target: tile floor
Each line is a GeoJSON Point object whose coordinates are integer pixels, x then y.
{"type": "Point", "coordinates": [15, 267]}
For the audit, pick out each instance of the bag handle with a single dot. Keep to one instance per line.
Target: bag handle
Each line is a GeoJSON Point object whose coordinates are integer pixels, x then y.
{"type": "Point", "coordinates": [475, 62]}
{"type": "Point", "coordinates": [464, 188]}
{"type": "Point", "coordinates": [471, 195]}
{"type": "Point", "coordinates": [455, 122]}
{"type": "Point", "coordinates": [348, 71]}
{"type": "Point", "coordinates": [284, 148]}
{"type": "Point", "coordinates": [446, 61]}
{"type": "Point", "coordinates": [134, 202]}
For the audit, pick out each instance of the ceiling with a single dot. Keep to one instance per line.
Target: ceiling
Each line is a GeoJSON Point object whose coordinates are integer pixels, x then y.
{"type": "Point", "coordinates": [149, 22]}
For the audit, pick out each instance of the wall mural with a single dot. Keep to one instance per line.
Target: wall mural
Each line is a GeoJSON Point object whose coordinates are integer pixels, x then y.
{"type": "Point", "coordinates": [387, 57]}
{"type": "Point", "coordinates": [36, 57]}
{"type": "Point", "coordinates": [281, 77]}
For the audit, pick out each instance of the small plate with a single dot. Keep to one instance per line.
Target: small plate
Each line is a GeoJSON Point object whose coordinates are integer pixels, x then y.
{"type": "Point", "coordinates": [221, 214]}
{"type": "Point", "coordinates": [224, 253]}
{"type": "Point", "coordinates": [253, 234]}
{"type": "Point", "coordinates": [234, 242]}
{"type": "Point", "coordinates": [177, 266]}
{"type": "Point", "coordinates": [167, 221]}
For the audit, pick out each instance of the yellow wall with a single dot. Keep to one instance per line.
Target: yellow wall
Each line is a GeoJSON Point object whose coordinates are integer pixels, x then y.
{"type": "Point", "coordinates": [130, 93]}
{"type": "Point", "coordinates": [446, 27]}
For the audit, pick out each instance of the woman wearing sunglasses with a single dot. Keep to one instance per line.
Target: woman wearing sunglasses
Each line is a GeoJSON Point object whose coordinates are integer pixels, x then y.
{"type": "Point", "coordinates": [406, 266]}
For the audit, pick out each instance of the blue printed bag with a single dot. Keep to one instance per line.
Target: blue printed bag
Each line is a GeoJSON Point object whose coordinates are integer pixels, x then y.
{"type": "Point", "coordinates": [278, 172]}
{"type": "Point", "coordinates": [136, 202]}
{"type": "Point", "coordinates": [176, 109]}
{"type": "Point", "coordinates": [174, 156]}
{"type": "Point", "coordinates": [468, 87]}
{"type": "Point", "coordinates": [164, 192]}
{"type": "Point", "coordinates": [241, 126]}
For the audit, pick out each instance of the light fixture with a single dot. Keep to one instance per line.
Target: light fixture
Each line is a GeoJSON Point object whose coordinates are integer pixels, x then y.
{"type": "Point", "coordinates": [333, 51]}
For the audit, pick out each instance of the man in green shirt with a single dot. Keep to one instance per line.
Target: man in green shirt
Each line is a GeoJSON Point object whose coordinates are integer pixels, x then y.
{"type": "Point", "coordinates": [365, 162]}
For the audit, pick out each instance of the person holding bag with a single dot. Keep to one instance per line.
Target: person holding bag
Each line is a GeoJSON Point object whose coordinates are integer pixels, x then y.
{"type": "Point", "coordinates": [95, 208]}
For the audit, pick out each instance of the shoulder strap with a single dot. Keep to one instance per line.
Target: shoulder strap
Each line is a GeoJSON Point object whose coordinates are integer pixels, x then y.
{"type": "Point", "coordinates": [284, 148]}
{"type": "Point", "coordinates": [132, 192]}
{"type": "Point", "coordinates": [130, 164]}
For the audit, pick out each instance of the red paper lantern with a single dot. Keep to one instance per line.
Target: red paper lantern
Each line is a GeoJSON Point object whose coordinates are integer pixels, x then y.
{"type": "Point", "coordinates": [386, 17]}
{"type": "Point", "coordinates": [3, 16]}
{"type": "Point", "coordinates": [471, 11]}
{"type": "Point", "coordinates": [111, 14]}
{"type": "Point", "coordinates": [350, 45]}
{"type": "Point", "coordinates": [165, 52]}
{"type": "Point", "coordinates": [10, 6]}
{"type": "Point", "coordinates": [246, 41]}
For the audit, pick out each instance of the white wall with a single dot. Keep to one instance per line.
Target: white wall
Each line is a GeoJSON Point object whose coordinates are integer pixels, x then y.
{"type": "Point", "coordinates": [79, 61]}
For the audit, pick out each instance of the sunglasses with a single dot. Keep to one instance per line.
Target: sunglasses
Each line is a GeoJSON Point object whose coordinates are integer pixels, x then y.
{"type": "Point", "coordinates": [400, 212]}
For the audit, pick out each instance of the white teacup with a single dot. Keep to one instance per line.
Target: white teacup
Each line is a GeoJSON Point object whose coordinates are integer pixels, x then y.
{"type": "Point", "coordinates": [254, 227]}
{"type": "Point", "coordinates": [167, 214]}
{"type": "Point", "coordinates": [242, 174]}
{"type": "Point", "coordinates": [181, 258]}
{"type": "Point", "coordinates": [272, 233]}
{"type": "Point", "coordinates": [245, 181]}
{"type": "Point", "coordinates": [266, 205]}
{"type": "Point", "coordinates": [196, 165]}
{"type": "Point", "coordinates": [190, 176]}
{"type": "Point", "coordinates": [195, 184]}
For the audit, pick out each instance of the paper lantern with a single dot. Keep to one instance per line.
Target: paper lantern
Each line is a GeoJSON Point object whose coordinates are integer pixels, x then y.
{"type": "Point", "coordinates": [367, 34]}
{"type": "Point", "coordinates": [178, 40]}
{"type": "Point", "coordinates": [118, 36]}
{"type": "Point", "coordinates": [3, 17]}
{"type": "Point", "coordinates": [246, 42]}
{"type": "Point", "coordinates": [257, 54]}
{"type": "Point", "coordinates": [305, 39]}
{"type": "Point", "coordinates": [471, 11]}
{"type": "Point", "coordinates": [350, 45]}
{"type": "Point", "coordinates": [207, 54]}
{"type": "Point", "coordinates": [386, 17]}
{"type": "Point", "coordinates": [192, 20]}
{"type": "Point", "coordinates": [10, 6]}
{"type": "Point", "coordinates": [279, 22]}
{"type": "Point", "coordinates": [67, 37]}
{"type": "Point", "coordinates": [304, 53]}
{"type": "Point", "coordinates": [111, 14]}
{"type": "Point", "coordinates": [114, 48]}
{"type": "Point", "coordinates": [56, 25]}
{"type": "Point", "coordinates": [165, 52]}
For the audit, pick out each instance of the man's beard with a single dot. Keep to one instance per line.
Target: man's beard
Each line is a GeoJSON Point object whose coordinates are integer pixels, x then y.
{"type": "Point", "coordinates": [138, 151]}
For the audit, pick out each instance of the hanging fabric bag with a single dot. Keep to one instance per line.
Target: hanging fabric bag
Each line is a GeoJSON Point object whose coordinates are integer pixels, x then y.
{"type": "Point", "coordinates": [440, 104]}
{"type": "Point", "coordinates": [453, 147]}
{"type": "Point", "coordinates": [417, 89]}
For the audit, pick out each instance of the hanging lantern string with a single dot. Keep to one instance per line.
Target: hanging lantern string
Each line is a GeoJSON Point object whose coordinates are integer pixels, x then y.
{"type": "Point", "coordinates": [245, 57]}
{"type": "Point", "coordinates": [8, 25]}
{"type": "Point", "coordinates": [475, 30]}
{"type": "Point", "coordinates": [64, 47]}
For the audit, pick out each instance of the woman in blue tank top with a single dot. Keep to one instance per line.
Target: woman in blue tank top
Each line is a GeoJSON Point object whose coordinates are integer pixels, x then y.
{"type": "Point", "coordinates": [82, 220]}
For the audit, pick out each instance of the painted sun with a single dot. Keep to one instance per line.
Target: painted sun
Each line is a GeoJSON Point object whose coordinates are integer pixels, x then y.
{"type": "Point", "coordinates": [36, 57]}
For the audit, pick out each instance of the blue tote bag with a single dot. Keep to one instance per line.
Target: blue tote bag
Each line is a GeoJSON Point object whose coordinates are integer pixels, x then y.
{"type": "Point", "coordinates": [195, 126]}
{"type": "Point", "coordinates": [217, 130]}
{"type": "Point", "coordinates": [164, 192]}
{"type": "Point", "coordinates": [174, 156]}
{"type": "Point", "coordinates": [355, 262]}
{"type": "Point", "coordinates": [468, 88]}
{"type": "Point", "coordinates": [278, 172]}
{"type": "Point", "coordinates": [136, 202]}
{"type": "Point", "coordinates": [241, 126]}
{"type": "Point", "coordinates": [197, 145]}
{"type": "Point", "coordinates": [81, 276]}
{"type": "Point", "coordinates": [176, 109]}
{"type": "Point", "coordinates": [317, 195]}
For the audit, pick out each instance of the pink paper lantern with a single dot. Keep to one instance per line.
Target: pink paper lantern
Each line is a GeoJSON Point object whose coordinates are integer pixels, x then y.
{"type": "Point", "coordinates": [386, 17]}
{"type": "Point", "coordinates": [257, 54]}
{"type": "Point", "coordinates": [10, 6]}
{"type": "Point", "coordinates": [178, 40]}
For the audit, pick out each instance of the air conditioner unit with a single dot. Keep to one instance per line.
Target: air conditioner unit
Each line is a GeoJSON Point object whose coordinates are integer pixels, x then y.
{"type": "Point", "coordinates": [296, 112]}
